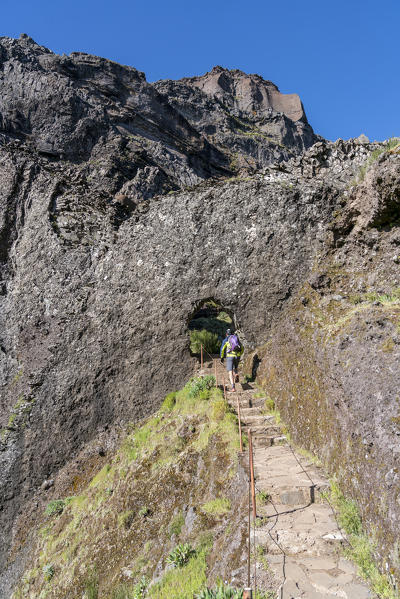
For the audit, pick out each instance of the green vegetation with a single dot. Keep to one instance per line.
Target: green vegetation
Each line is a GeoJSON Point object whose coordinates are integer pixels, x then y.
{"type": "Point", "coordinates": [228, 592]}
{"type": "Point", "coordinates": [216, 507]}
{"type": "Point", "coordinates": [18, 376]}
{"type": "Point", "coordinates": [209, 341]}
{"type": "Point", "coordinates": [125, 519]}
{"type": "Point", "coordinates": [169, 402]}
{"type": "Point", "coordinates": [200, 385]}
{"type": "Point", "coordinates": [261, 557]}
{"type": "Point", "coordinates": [269, 404]}
{"type": "Point", "coordinates": [372, 296]}
{"type": "Point", "coordinates": [221, 592]}
{"type": "Point", "coordinates": [335, 322]}
{"type": "Point", "coordinates": [387, 147]}
{"type": "Point", "coordinates": [18, 416]}
{"type": "Point", "coordinates": [182, 582]}
{"type": "Point", "coordinates": [209, 331]}
{"type": "Point", "coordinates": [176, 525]}
{"type": "Point", "coordinates": [56, 507]}
{"type": "Point", "coordinates": [48, 572]}
{"type": "Point", "coordinates": [92, 584]}
{"type": "Point", "coordinates": [148, 476]}
{"type": "Point", "coordinates": [180, 555]}
{"type": "Point", "coordinates": [219, 409]}
{"type": "Point", "coordinates": [138, 591]}
{"type": "Point", "coordinates": [263, 497]}
{"type": "Point", "coordinates": [361, 549]}
{"type": "Point", "coordinates": [348, 514]}
{"type": "Point", "coordinates": [144, 511]}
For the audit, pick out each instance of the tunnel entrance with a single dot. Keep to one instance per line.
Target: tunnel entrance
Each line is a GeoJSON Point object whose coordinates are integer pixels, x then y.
{"type": "Point", "coordinates": [208, 325]}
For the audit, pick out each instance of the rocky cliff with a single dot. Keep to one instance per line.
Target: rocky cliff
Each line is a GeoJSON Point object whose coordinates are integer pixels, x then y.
{"type": "Point", "coordinates": [124, 205]}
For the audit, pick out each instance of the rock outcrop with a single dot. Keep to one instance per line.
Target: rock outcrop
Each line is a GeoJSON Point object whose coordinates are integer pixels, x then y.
{"type": "Point", "coordinates": [105, 257]}
{"type": "Point", "coordinates": [145, 138]}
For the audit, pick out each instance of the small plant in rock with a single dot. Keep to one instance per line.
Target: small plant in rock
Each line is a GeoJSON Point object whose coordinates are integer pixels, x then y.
{"type": "Point", "coordinates": [176, 525]}
{"type": "Point", "coordinates": [269, 404]}
{"type": "Point", "coordinates": [169, 402]}
{"type": "Point", "coordinates": [196, 386]}
{"type": "Point", "coordinates": [216, 507]}
{"type": "Point", "coordinates": [125, 519]}
{"type": "Point", "coordinates": [263, 497]}
{"type": "Point", "coordinates": [181, 555]}
{"type": "Point", "coordinates": [221, 592]}
{"type": "Point", "coordinates": [55, 507]}
{"type": "Point", "coordinates": [92, 584]}
{"type": "Point", "coordinates": [144, 511]}
{"type": "Point", "coordinates": [219, 408]}
{"type": "Point", "coordinates": [349, 515]}
{"type": "Point", "coordinates": [140, 588]}
{"type": "Point", "coordinates": [261, 557]}
{"type": "Point", "coordinates": [48, 572]}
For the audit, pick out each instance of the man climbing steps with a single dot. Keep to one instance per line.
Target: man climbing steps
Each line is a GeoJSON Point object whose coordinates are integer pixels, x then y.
{"type": "Point", "coordinates": [233, 350]}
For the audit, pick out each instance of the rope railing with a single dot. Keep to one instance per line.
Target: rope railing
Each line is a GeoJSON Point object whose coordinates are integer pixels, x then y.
{"type": "Point", "coordinates": [252, 507]}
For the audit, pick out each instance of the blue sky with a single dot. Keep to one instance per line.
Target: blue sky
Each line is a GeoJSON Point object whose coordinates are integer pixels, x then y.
{"type": "Point", "coordinates": [341, 57]}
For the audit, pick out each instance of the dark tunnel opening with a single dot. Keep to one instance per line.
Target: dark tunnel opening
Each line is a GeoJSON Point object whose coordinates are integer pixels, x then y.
{"type": "Point", "coordinates": [207, 326]}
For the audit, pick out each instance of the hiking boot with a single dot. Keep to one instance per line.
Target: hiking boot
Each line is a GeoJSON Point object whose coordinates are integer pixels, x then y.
{"type": "Point", "coordinates": [233, 390]}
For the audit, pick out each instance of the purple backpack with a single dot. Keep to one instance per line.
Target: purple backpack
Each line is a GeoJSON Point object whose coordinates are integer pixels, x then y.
{"type": "Point", "coordinates": [234, 343]}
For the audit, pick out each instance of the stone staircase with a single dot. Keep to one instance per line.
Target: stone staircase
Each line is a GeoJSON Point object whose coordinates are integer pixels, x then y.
{"type": "Point", "coordinates": [296, 531]}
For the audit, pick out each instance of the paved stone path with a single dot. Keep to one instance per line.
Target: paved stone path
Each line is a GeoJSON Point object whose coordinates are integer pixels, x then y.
{"type": "Point", "coordinates": [298, 532]}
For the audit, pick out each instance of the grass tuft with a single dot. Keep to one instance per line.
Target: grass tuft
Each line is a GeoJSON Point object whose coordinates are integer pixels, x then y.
{"type": "Point", "coordinates": [361, 549]}
{"type": "Point", "coordinates": [182, 582]}
{"type": "Point", "coordinates": [216, 507]}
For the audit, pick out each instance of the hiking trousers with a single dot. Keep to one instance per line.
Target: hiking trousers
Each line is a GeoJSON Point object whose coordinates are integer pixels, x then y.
{"type": "Point", "coordinates": [232, 363]}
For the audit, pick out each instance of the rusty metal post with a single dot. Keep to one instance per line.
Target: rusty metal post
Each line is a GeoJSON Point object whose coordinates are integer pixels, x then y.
{"type": "Point", "coordinates": [249, 538]}
{"type": "Point", "coordinates": [247, 594]}
{"type": "Point", "coordinates": [201, 356]}
{"type": "Point", "coordinates": [251, 465]}
{"type": "Point", "coordinates": [224, 390]}
{"type": "Point", "coordinates": [240, 425]}
{"type": "Point", "coordinates": [215, 370]}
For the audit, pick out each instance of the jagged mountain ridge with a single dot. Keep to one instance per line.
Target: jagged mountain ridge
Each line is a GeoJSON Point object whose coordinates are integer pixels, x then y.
{"type": "Point", "coordinates": [160, 136]}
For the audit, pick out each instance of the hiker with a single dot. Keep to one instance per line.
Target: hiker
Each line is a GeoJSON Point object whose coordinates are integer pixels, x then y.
{"type": "Point", "coordinates": [233, 350]}
{"type": "Point", "coordinates": [227, 334]}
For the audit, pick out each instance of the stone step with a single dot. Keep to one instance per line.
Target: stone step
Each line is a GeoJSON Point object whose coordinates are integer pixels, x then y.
{"type": "Point", "coordinates": [310, 530]}
{"type": "Point", "coordinates": [256, 419]}
{"type": "Point", "coordinates": [263, 441]}
{"type": "Point", "coordinates": [250, 411]}
{"type": "Point", "coordinates": [264, 429]}
{"type": "Point", "coordinates": [267, 440]}
{"type": "Point", "coordinates": [244, 404]}
{"type": "Point", "coordinates": [322, 577]}
{"type": "Point", "coordinates": [291, 495]}
{"type": "Point", "coordinates": [257, 403]}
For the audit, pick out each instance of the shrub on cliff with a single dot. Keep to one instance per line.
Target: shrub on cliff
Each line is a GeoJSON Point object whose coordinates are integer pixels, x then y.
{"type": "Point", "coordinates": [210, 342]}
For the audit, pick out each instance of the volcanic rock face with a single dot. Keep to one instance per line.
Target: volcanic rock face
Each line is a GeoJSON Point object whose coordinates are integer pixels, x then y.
{"type": "Point", "coordinates": [103, 263]}
{"type": "Point", "coordinates": [156, 137]}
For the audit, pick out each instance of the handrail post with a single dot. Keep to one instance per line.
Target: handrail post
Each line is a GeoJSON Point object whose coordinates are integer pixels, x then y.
{"type": "Point", "coordinates": [224, 390]}
{"type": "Point", "coordinates": [240, 426]}
{"type": "Point", "coordinates": [201, 356]}
{"type": "Point", "coordinates": [251, 465]}
{"type": "Point", "coordinates": [215, 370]}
